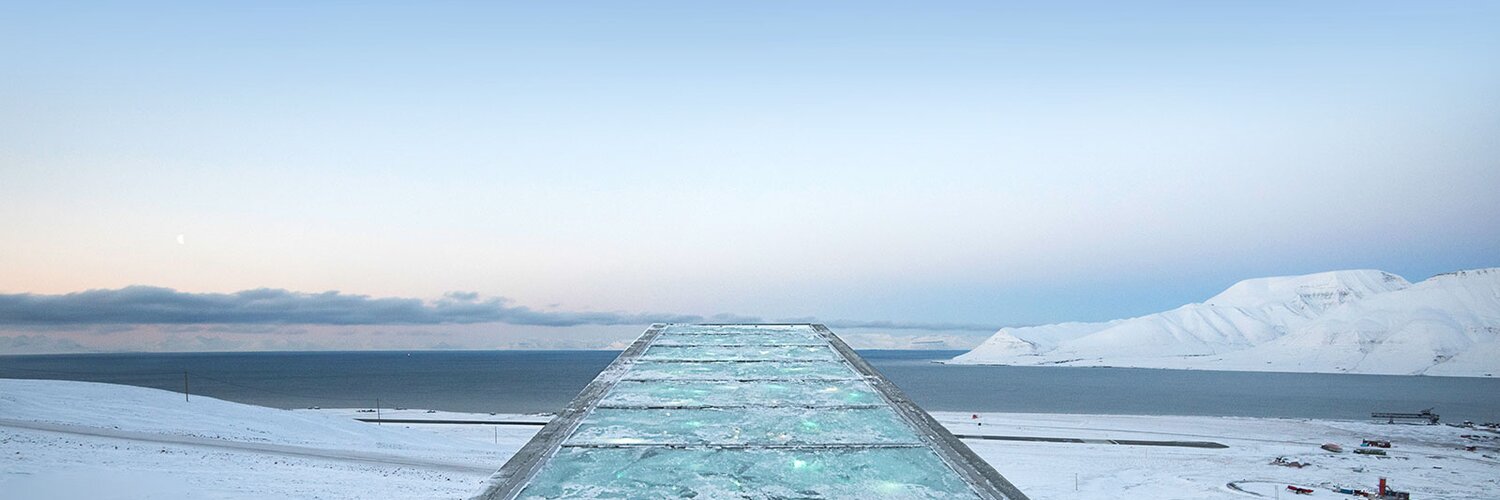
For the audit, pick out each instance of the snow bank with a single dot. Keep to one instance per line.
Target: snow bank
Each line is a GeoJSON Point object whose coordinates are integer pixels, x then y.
{"type": "Point", "coordinates": [1361, 321]}
{"type": "Point", "coordinates": [65, 439]}
{"type": "Point", "coordinates": [138, 409]}
{"type": "Point", "coordinates": [1429, 461]}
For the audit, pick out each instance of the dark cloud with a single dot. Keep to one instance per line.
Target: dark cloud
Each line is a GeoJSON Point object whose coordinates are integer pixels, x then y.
{"type": "Point", "coordinates": [38, 344]}
{"type": "Point", "coordinates": [463, 296]}
{"type": "Point", "coordinates": [156, 305]}
{"type": "Point", "coordinates": [266, 306]}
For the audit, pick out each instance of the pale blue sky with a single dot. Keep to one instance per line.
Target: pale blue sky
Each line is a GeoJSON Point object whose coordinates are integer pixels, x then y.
{"type": "Point", "coordinates": [938, 162]}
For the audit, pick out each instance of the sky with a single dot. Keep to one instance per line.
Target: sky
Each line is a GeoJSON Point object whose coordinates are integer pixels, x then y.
{"type": "Point", "coordinates": [394, 175]}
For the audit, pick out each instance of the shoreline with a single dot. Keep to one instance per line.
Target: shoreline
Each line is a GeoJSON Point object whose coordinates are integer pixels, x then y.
{"type": "Point", "coordinates": [1060, 364]}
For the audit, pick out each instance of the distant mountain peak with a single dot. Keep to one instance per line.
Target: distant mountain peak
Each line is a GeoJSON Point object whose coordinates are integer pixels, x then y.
{"type": "Point", "coordinates": [1309, 292]}
{"type": "Point", "coordinates": [1353, 321]}
{"type": "Point", "coordinates": [1484, 272]}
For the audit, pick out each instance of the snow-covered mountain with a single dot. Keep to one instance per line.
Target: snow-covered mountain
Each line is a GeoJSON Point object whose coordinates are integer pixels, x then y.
{"type": "Point", "coordinates": [1361, 321]}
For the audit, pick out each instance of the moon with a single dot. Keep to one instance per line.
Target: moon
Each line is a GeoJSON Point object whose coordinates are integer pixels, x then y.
{"type": "Point", "coordinates": [181, 240]}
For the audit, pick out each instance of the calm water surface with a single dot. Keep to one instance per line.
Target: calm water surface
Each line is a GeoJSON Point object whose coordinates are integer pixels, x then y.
{"type": "Point", "coordinates": [544, 381]}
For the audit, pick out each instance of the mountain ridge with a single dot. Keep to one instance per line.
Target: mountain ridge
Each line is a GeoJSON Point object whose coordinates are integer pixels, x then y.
{"type": "Point", "coordinates": [1351, 321]}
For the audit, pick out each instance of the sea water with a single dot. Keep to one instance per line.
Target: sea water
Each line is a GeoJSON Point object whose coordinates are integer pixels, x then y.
{"type": "Point", "coordinates": [544, 381]}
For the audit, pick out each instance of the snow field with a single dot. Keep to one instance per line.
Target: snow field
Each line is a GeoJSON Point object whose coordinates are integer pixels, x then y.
{"type": "Point", "coordinates": [61, 439]}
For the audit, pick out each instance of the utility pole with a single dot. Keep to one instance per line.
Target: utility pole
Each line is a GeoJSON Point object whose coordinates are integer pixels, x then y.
{"type": "Point", "coordinates": [377, 411]}
{"type": "Point", "coordinates": [184, 387]}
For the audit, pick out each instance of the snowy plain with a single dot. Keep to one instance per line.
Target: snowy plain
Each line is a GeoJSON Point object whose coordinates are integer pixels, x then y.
{"type": "Point", "coordinates": [1361, 321]}
{"type": "Point", "coordinates": [62, 439]}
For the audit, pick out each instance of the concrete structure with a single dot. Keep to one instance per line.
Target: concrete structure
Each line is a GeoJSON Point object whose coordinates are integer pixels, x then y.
{"type": "Point", "coordinates": [758, 411]}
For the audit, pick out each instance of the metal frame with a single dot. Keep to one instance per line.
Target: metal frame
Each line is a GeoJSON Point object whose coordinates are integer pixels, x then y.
{"type": "Point", "coordinates": [517, 473]}
{"type": "Point", "coordinates": [983, 478]}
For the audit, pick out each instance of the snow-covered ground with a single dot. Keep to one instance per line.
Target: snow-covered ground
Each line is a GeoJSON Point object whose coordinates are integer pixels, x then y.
{"type": "Point", "coordinates": [1335, 322]}
{"type": "Point", "coordinates": [1428, 461]}
{"type": "Point", "coordinates": [61, 439]}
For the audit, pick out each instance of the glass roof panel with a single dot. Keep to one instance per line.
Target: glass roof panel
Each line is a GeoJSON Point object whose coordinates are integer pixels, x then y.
{"type": "Point", "coordinates": [735, 329]}
{"type": "Point", "coordinates": [743, 426]}
{"type": "Point", "coordinates": [655, 473]}
{"type": "Point", "coordinates": [721, 370]}
{"type": "Point", "coordinates": [737, 393]}
{"type": "Point", "coordinates": [790, 338]}
{"type": "Point", "coordinates": [738, 353]}
{"type": "Point", "coordinates": [744, 411]}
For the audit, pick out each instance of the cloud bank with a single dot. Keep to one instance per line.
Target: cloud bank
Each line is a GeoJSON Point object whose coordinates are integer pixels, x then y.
{"type": "Point", "coordinates": [164, 306]}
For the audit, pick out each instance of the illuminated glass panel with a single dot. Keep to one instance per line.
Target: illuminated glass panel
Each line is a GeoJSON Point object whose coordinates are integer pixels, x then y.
{"type": "Point", "coordinates": [655, 473]}
{"type": "Point", "coordinates": [700, 393]}
{"type": "Point", "coordinates": [742, 411]}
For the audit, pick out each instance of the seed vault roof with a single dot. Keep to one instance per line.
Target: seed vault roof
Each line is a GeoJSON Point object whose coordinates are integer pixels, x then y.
{"type": "Point", "coordinates": [757, 411]}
